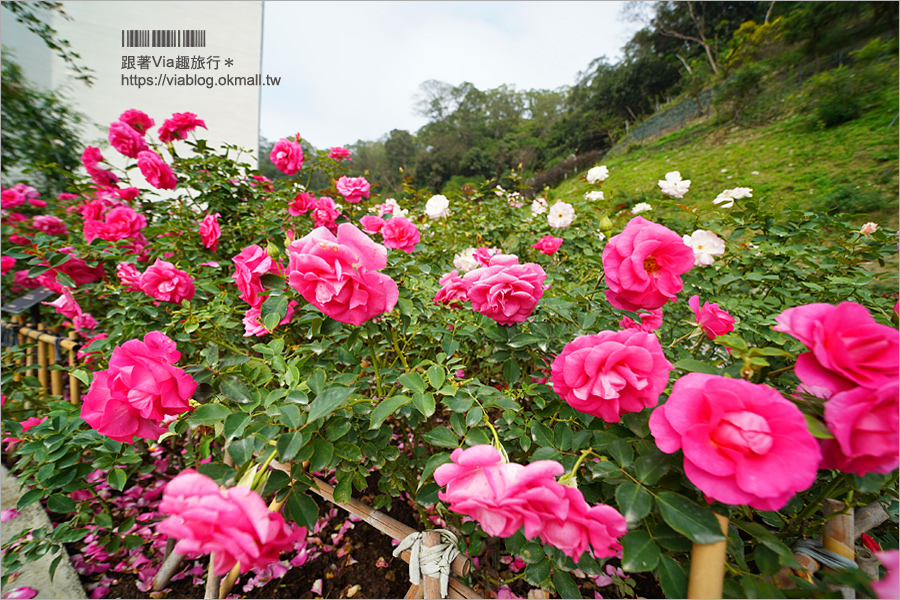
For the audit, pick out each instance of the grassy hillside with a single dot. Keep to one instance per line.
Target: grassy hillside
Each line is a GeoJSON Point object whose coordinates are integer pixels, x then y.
{"type": "Point", "coordinates": [786, 154]}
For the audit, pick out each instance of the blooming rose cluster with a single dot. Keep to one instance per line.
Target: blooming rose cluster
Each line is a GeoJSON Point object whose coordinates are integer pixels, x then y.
{"type": "Point", "coordinates": [249, 266]}
{"type": "Point", "coordinates": [505, 290]}
{"type": "Point", "coordinates": [234, 525]}
{"type": "Point", "coordinates": [453, 290]}
{"type": "Point", "coordinates": [611, 373]}
{"type": "Point", "coordinates": [339, 153]}
{"type": "Point", "coordinates": [166, 283]}
{"type": "Point", "coordinates": [713, 321]}
{"type": "Point", "coordinates": [141, 387]}
{"type": "Point", "coordinates": [743, 443]}
{"type": "Point", "coordinates": [353, 189]}
{"type": "Point", "coordinates": [548, 244]}
{"type": "Point", "coordinates": [854, 361]}
{"type": "Point", "coordinates": [178, 126]}
{"type": "Point", "coordinates": [117, 223]}
{"type": "Point", "coordinates": [504, 497]}
{"type": "Point", "coordinates": [643, 265]}
{"type": "Point", "coordinates": [340, 276]}
{"type": "Point", "coordinates": [67, 306]}
{"type": "Point", "coordinates": [210, 231]}
{"type": "Point", "coordinates": [287, 156]}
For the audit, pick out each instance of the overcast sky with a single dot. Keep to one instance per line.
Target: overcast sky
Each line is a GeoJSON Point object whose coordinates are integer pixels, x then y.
{"type": "Point", "coordinates": [351, 70]}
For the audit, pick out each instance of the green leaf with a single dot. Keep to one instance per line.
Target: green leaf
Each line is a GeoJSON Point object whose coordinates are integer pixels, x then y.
{"type": "Point", "coordinates": [323, 451]}
{"type": "Point", "coordinates": [817, 428]}
{"type": "Point", "coordinates": [685, 517]}
{"type": "Point", "coordinates": [236, 390]}
{"type": "Point", "coordinates": [536, 574]}
{"type": "Point", "coordinates": [474, 416]}
{"type": "Point", "coordinates": [735, 342]}
{"type": "Point", "coordinates": [327, 402]}
{"type": "Point", "coordinates": [443, 437]}
{"type": "Point", "coordinates": [316, 381]}
{"type": "Point", "coordinates": [424, 403]}
{"type": "Point", "coordinates": [634, 501]}
{"type": "Point", "coordinates": [272, 311]}
{"type": "Point", "coordinates": [29, 497]}
{"type": "Point", "coordinates": [511, 371]}
{"type": "Point", "coordinates": [532, 553]}
{"type": "Point", "coordinates": [235, 423]}
{"type": "Point", "coordinates": [62, 504]}
{"type": "Point", "coordinates": [413, 381]}
{"type": "Point", "coordinates": [695, 366]}
{"type": "Point", "coordinates": [290, 415]}
{"type": "Point", "coordinates": [242, 450]}
{"type": "Point", "coordinates": [301, 509]}
{"type": "Point", "coordinates": [622, 451]}
{"type": "Point", "coordinates": [290, 444]}
{"type": "Point", "coordinates": [385, 409]}
{"type": "Point", "coordinates": [672, 578]}
{"type": "Point", "coordinates": [116, 479]}
{"type": "Point", "coordinates": [343, 489]}
{"type": "Point", "coordinates": [639, 552]}
{"type": "Point", "coordinates": [650, 467]}
{"type": "Point", "coordinates": [208, 414]}
{"type": "Point", "coordinates": [521, 340]}
{"type": "Point", "coordinates": [433, 462]}
{"type": "Point", "coordinates": [436, 376]}
{"type": "Point", "coordinates": [541, 434]}
{"type": "Point", "coordinates": [564, 585]}
{"type": "Point", "coordinates": [53, 565]}
{"type": "Point", "coordinates": [766, 560]}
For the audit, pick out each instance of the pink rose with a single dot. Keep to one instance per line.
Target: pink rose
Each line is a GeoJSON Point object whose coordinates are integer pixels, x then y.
{"type": "Point", "coordinates": [301, 204]}
{"type": "Point", "coordinates": [87, 356]}
{"type": "Point", "coordinates": [11, 199]}
{"type": "Point", "coordinates": [847, 347]}
{"type": "Point", "coordinates": [611, 373]}
{"type": "Point", "coordinates": [650, 321]}
{"type": "Point", "coordinates": [178, 126]}
{"type": "Point", "coordinates": [50, 225]}
{"type": "Point", "coordinates": [65, 305]}
{"type": "Point", "coordinates": [76, 269]}
{"type": "Point", "coordinates": [889, 587]}
{"type": "Point", "coordinates": [126, 139]}
{"type": "Point", "coordinates": [21, 240]}
{"type": "Point", "coordinates": [399, 233]}
{"type": "Point", "coordinates": [339, 275]}
{"type": "Point", "coordinates": [743, 443]}
{"type": "Point", "coordinates": [235, 525]}
{"type": "Point", "coordinates": [453, 291]}
{"type": "Point", "coordinates": [643, 265]}
{"type": "Point", "coordinates": [84, 322]}
{"type": "Point", "coordinates": [128, 194]}
{"type": "Point", "coordinates": [353, 188]}
{"type": "Point", "coordinates": [712, 320]}
{"type": "Point", "coordinates": [507, 293]}
{"type": "Point", "coordinates": [287, 156]}
{"type": "Point", "coordinates": [165, 283]}
{"type": "Point", "coordinates": [120, 223]}
{"type": "Point", "coordinates": [156, 171]}
{"type": "Point", "coordinates": [339, 153]}
{"type": "Point", "coordinates": [483, 255]}
{"type": "Point", "coordinates": [91, 157]}
{"type": "Point", "coordinates": [103, 178]}
{"type": "Point", "coordinates": [253, 326]}
{"type": "Point", "coordinates": [210, 231]}
{"type": "Point", "coordinates": [136, 119]}
{"type": "Point", "coordinates": [325, 213]}
{"type": "Point", "coordinates": [371, 223]}
{"type": "Point", "coordinates": [864, 422]}
{"type": "Point", "coordinates": [249, 266]}
{"type": "Point", "coordinates": [129, 276]}
{"type": "Point", "coordinates": [548, 244]}
{"type": "Point", "coordinates": [6, 264]}
{"type": "Point", "coordinates": [22, 279]}
{"type": "Point", "coordinates": [599, 527]}
{"type": "Point", "coordinates": [141, 387]}
{"type": "Point", "coordinates": [37, 203]}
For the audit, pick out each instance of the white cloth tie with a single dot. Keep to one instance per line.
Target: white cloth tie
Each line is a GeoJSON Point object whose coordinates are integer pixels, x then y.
{"type": "Point", "coordinates": [432, 562]}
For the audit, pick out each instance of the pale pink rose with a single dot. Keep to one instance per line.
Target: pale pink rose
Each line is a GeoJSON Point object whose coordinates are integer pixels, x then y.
{"type": "Point", "coordinates": [254, 327]}
{"type": "Point", "coordinates": [400, 233]}
{"type": "Point", "coordinates": [743, 443]}
{"type": "Point", "coordinates": [611, 373]}
{"type": "Point", "coordinates": [868, 228]}
{"type": "Point", "coordinates": [548, 244]}
{"type": "Point", "coordinates": [339, 153]}
{"type": "Point", "coordinates": [129, 276]}
{"type": "Point", "coordinates": [6, 264]}
{"type": "Point", "coordinates": [325, 213]}
{"type": "Point", "coordinates": [234, 525]}
{"type": "Point", "coordinates": [371, 223]}
{"type": "Point", "coordinates": [353, 189]}
{"type": "Point", "coordinates": [249, 266]}
{"type": "Point", "coordinates": [210, 231]}
{"type": "Point", "coordinates": [847, 347]}
{"type": "Point", "coordinates": [140, 388]}
{"type": "Point", "coordinates": [126, 139]}
{"type": "Point", "coordinates": [287, 156]}
{"type": "Point", "coordinates": [504, 291]}
{"type": "Point", "coordinates": [643, 265]}
{"type": "Point", "coordinates": [453, 290]}
{"type": "Point", "coordinates": [138, 120]}
{"type": "Point", "coordinates": [712, 320]}
{"type": "Point", "coordinates": [178, 126]}
{"type": "Point", "coordinates": [339, 274]}
{"type": "Point", "coordinates": [483, 255]}
{"type": "Point", "coordinates": [301, 204]}
{"type": "Point", "coordinates": [864, 422]}
{"type": "Point", "coordinates": [156, 171]}
{"type": "Point", "coordinates": [650, 321]}
{"type": "Point", "coordinates": [50, 225]}
{"type": "Point", "coordinates": [66, 305]}
{"type": "Point", "coordinates": [165, 283]}
{"type": "Point", "coordinates": [582, 526]}
{"type": "Point", "coordinates": [889, 587]}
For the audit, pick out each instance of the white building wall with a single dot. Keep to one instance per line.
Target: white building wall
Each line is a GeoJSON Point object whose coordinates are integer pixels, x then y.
{"type": "Point", "coordinates": [233, 31]}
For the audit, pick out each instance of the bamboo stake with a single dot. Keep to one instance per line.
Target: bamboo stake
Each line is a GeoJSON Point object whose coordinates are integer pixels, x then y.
{"type": "Point", "coordinates": [708, 566]}
{"type": "Point", "coordinates": [838, 534]}
{"type": "Point", "coordinates": [74, 384]}
{"type": "Point", "coordinates": [56, 380]}
{"type": "Point", "coordinates": [415, 591]}
{"type": "Point", "coordinates": [868, 517]}
{"type": "Point", "coordinates": [29, 352]}
{"type": "Point", "coordinates": [42, 358]}
{"type": "Point", "coordinates": [432, 585]}
{"type": "Point", "coordinates": [212, 581]}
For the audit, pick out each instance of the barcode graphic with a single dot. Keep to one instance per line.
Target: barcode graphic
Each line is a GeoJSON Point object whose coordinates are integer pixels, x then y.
{"type": "Point", "coordinates": [164, 38]}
